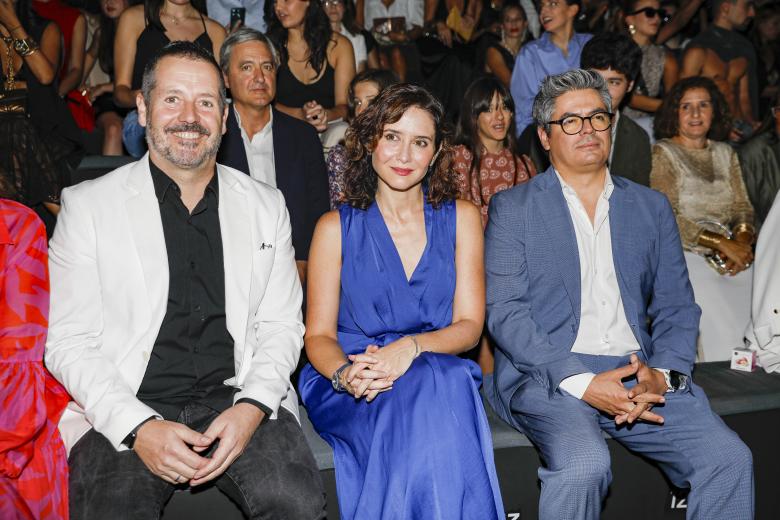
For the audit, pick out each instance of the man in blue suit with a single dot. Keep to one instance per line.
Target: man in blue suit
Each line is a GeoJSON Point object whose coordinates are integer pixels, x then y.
{"type": "Point", "coordinates": [589, 303]}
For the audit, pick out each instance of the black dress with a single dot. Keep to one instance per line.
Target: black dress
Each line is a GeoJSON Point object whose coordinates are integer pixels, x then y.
{"type": "Point", "coordinates": [37, 148]}
{"type": "Point", "coordinates": [151, 40]}
{"type": "Point", "coordinates": [292, 93]}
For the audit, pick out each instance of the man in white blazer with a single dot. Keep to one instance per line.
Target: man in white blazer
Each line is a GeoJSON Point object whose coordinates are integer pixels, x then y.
{"type": "Point", "coordinates": [175, 319]}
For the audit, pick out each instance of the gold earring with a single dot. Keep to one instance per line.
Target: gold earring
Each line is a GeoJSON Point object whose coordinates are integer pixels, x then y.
{"type": "Point", "coordinates": [632, 29]}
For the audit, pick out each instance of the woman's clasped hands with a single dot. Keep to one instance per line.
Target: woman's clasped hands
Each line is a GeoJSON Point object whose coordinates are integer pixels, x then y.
{"type": "Point", "coordinates": [375, 370]}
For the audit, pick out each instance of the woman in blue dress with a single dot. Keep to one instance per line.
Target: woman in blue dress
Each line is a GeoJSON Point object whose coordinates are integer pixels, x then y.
{"type": "Point", "coordinates": [395, 292]}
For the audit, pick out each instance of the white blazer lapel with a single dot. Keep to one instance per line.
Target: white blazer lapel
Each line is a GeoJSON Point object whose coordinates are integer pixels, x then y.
{"type": "Point", "coordinates": [235, 224]}
{"type": "Point", "coordinates": [143, 212]}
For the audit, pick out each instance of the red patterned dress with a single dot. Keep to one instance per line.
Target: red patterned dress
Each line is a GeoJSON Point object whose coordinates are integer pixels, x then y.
{"type": "Point", "coordinates": [33, 463]}
{"type": "Point", "coordinates": [497, 172]}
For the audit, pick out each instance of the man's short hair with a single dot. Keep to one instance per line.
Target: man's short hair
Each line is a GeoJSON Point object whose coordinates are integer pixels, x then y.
{"type": "Point", "coordinates": [614, 51]}
{"type": "Point", "coordinates": [243, 35]}
{"type": "Point", "coordinates": [187, 51]}
{"type": "Point", "coordinates": [556, 85]}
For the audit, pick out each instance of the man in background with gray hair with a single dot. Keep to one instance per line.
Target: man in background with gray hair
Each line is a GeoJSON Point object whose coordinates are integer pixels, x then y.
{"type": "Point", "coordinates": [269, 145]}
{"type": "Point", "coordinates": [589, 303]}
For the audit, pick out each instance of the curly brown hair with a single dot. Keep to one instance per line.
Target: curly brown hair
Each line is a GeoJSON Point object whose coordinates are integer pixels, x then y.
{"type": "Point", "coordinates": [667, 119]}
{"type": "Point", "coordinates": [360, 179]}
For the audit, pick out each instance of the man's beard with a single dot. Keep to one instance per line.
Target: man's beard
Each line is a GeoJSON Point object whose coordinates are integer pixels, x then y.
{"type": "Point", "coordinates": [187, 156]}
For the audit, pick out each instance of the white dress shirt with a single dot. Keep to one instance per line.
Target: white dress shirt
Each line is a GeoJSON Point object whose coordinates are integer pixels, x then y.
{"type": "Point", "coordinates": [260, 151]}
{"type": "Point", "coordinates": [412, 10]}
{"type": "Point", "coordinates": [604, 329]}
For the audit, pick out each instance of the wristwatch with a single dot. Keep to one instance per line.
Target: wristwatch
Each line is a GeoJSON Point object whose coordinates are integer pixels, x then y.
{"type": "Point", "coordinates": [129, 441]}
{"type": "Point", "coordinates": [675, 381]}
{"type": "Point", "coordinates": [25, 47]}
{"type": "Point", "coordinates": [335, 379]}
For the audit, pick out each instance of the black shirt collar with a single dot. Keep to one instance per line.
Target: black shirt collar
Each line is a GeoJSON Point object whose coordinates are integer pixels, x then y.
{"type": "Point", "coordinates": [163, 183]}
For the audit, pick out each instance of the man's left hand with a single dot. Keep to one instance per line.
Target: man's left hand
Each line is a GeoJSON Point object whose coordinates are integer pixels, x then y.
{"type": "Point", "coordinates": [649, 389]}
{"type": "Point", "coordinates": [233, 427]}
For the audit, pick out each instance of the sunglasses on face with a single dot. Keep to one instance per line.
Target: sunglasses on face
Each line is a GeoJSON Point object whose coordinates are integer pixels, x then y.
{"type": "Point", "coordinates": [652, 12]}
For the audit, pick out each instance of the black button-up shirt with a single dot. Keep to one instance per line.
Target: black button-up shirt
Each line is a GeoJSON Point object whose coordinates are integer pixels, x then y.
{"type": "Point", "coordinates": [193, 352]}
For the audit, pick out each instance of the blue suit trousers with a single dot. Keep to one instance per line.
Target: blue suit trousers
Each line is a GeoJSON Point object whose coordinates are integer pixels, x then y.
{"type": "Point", "coordinates": [693, 447]}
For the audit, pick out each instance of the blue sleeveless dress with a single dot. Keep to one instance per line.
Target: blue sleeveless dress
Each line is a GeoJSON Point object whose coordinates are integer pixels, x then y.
{"type": "Point", "coordinates": [422, 450]}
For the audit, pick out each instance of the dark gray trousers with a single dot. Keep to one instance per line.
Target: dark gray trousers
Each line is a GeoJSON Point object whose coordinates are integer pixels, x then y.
{"type": "Point", "coordinates": [275, 478]}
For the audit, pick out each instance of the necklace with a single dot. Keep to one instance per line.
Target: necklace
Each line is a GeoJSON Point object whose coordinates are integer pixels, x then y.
{"type": "Point", "coordinates": [174, 19]}
{"type": "Point", "coordinates": [10, 80]}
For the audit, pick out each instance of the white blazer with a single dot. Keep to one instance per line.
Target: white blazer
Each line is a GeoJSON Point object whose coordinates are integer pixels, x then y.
{"type": "Point", "coordinates": [763, 332]}
{"type": "Point", "coordinates": [109, 290]}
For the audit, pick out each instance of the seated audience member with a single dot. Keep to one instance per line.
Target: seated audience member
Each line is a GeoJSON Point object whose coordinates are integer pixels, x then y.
{"type": "Point", "coordinates": [33, 462]}
{"type": "Point", "coordinates": [396, 26]}
{"type": "Point", "coordinates": [485, 158]}
{"type": "Point", "coordinates": [38, 138]}
{"type": "Point", "coordinates": [174, 332]}
{"type": "Point", "coordinates": [556, 51]}
{"type": "Point", "coordinates": [765, 36]}
{"type": "Point", "coordinates": [659, 71]}
{"type": "Point", "coordinates": [724, 55]}
{"type": "Point", "coordinates": [491, 14]}
{"type": "Point", "coordinates": [73, 27]}
{"type": "Point", "coordinates": [219, 11]}
{"type": "Point", "coordinates": [595, 323]}
{"type": "Point", "coordinates": [617, 59]}
{"type": "Point", "coordinates": [385, 387]}
{"type": "Point", "coordinates": [446, 50]}
{"type": "Point", "coordinates": [99, 68]}
{"type": "Point", "coordinates": [341, 14]}
{"type": "Point", "coordinates": [486, 162]}
{"type": "Point", "coordinates": [763, 332]}
{"type": "Point", "coordinates": [363, 89]}
{"type": "Point", "coordinates": [267, 144]}
{"type": "Point", "coordinates": [142, 31]}
{"type": "Point", "coordinates": [703, 181]}
{"type": "Point", "coordinates": [316, 63]}
{"type": "Point", "coordinates": [496, 53]}
{"type": "Point", "coordinates": [759, 159]}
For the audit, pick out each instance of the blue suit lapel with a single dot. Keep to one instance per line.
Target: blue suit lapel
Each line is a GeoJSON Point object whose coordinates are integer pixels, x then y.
{"type": "Point", "coordinates": [624, 244]}
{"type": "Point", "coordinates": [557, 220]}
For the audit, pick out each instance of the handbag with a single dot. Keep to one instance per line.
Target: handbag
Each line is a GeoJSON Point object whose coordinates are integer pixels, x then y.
{"type": "Point", "coordinates": [13, 101]}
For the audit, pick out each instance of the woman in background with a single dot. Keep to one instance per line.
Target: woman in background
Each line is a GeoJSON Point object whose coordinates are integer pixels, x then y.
{"type": "Point", "coordinates": [659, 70]}
{"type": "Point", "coordinates": [702, 179]}
{"type": "Point", "coordinates": [33, 462]}
{"type": "Point", "coordinates": [142, 31]}
{"type": "Point", "coordinates": [496, 53]}
{"type": "Point", "coordinates": [317, 63]}
{"type": "Point", "coordinates": [486, 163]}
{"type": "Point", "coordinates": [363, 89]}
{"type": "Point", "coordinates": [108, 116]}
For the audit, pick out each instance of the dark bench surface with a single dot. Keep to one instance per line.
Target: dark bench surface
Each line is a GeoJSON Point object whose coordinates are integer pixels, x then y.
{"type": "Point", "coordinates": [730, 392]}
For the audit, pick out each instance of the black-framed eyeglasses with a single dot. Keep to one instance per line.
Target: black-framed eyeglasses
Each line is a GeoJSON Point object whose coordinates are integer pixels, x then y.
{"type": "Point", "coordinates": [652, 12]}
{"type": "Point", "coordinates": [572, 125]}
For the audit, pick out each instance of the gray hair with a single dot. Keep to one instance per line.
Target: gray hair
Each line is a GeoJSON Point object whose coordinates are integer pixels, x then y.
{"type": "Point", "coordinates": [243, 35]}
{"type": "Point", "coordinates": [556, 85]}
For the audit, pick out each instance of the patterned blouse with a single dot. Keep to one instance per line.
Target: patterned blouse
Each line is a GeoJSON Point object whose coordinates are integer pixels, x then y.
{"type": "Point", "coordinates": [336, 164]}
{"type": "Point", "coordinates": [33, 463]}
{"type": "Point", "coordinates": [497, 172]}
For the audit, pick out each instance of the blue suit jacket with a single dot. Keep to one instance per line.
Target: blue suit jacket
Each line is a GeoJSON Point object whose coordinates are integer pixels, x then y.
{"type": "Point", "coordinates": [533, 282]}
